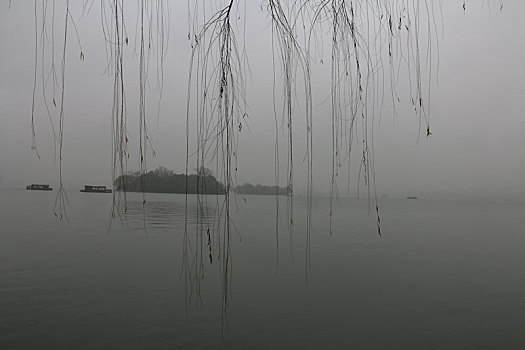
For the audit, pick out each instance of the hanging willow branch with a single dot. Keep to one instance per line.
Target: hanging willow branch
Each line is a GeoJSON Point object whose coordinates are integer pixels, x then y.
{"type": "Point", "coordinates": [216, 107]}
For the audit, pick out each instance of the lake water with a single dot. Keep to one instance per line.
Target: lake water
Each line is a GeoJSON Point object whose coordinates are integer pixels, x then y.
{"type": "Point", "coordinates": [446, 274]}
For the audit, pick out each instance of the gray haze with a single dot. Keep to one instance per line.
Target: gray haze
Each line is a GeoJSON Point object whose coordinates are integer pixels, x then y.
{"type": "Point", "coordinates": [478, 108]}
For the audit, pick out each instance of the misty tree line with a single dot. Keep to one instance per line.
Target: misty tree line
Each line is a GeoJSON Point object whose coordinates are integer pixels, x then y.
{"type": "Point", "coordinates": [163, 180]}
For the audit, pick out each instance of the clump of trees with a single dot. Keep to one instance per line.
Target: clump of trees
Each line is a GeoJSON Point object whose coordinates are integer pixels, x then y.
{"type": "Point", "coordinates": [163, 180]}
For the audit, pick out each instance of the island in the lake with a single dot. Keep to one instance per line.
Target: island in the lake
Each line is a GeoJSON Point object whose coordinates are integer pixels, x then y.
{"type": "Point", "coordinates": [163, 180]}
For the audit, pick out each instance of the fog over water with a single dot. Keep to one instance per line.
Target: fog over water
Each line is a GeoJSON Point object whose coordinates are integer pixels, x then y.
{"type": "Point", "coordinates": [477, 107]}
{"type": "Point", "coordinates": [207, 271]}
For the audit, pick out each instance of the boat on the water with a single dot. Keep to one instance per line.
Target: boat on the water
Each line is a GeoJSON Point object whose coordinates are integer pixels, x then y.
{"type": "Point", "coordinates": [37, 187]}
{"type": "Point", "coordinates": [412, 197]}
{"type": "Point", "coordinates": [95, 189]}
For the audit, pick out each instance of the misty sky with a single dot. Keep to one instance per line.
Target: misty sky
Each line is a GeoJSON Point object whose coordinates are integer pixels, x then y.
{"type": "Point", "coordinates": [477, 110]}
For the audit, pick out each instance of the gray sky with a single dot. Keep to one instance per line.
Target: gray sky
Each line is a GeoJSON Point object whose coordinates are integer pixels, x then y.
{"type": "Point", "coordinates": [477, 108]}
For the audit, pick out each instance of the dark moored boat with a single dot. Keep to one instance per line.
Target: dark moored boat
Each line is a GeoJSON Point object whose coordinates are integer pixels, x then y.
{"type": "Point", "coordinates": [37, 187]}
{"type": "Point", "coordinates": [96, 189]}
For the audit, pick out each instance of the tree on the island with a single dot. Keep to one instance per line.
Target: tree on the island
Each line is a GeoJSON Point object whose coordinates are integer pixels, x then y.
{"type": "Point", "coordinates": [163, 172]}
{"type": "Point", "coordinates": [203, 171]}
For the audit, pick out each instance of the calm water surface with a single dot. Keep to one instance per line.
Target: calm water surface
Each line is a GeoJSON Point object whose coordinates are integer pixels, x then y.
{"type": "Point", "coordinates": [447, 274]}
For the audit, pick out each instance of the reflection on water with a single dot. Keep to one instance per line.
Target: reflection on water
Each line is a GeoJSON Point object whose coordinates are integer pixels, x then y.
{"type": "Point", "coordinates": [163, 215]}
{"type": "Point", "coordinates": [201, 231]}
{"type": "Point", "coordinates": [445, 274]}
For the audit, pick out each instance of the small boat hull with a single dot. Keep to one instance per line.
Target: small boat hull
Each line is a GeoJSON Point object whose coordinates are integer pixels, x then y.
{"type": "Point", "coordinates": [96, 189]}
{"type": "Point", "coordinates": [37, 187]}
